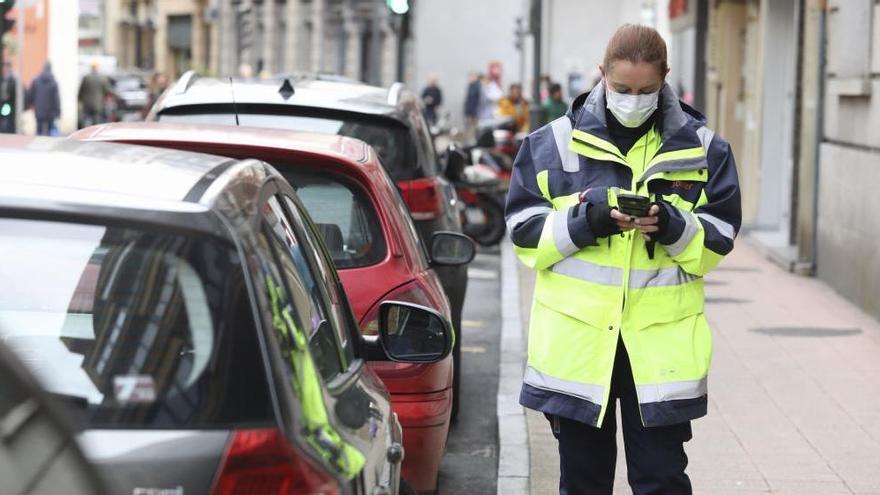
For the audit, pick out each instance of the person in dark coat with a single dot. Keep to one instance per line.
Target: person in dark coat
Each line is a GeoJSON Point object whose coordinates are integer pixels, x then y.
{"type": "Point", "coordinates": [43, 96]}
{"type": "Point", "coordinates": [432, 96]}
{"type": "Point", "coordinates": [472, 103]}
{"type": "Point", "coordinates": [93, 89]}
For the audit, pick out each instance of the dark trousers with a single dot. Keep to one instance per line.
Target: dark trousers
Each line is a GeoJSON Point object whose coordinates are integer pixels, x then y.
{"type": "Point", "coordinates": [45, 126]}
{"type": "Point", "coordinates": [655, 457]}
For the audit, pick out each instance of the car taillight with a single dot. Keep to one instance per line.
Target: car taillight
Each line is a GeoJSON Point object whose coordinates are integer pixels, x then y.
{"type": "Point", "coordinates": [411, 292]}
{"type": "Point", "coordinates": [423, 197]}
{"type": "Point", "coordinates": [261, 462]}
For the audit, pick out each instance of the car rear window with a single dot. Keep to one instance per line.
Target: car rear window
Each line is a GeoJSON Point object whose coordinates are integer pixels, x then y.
{"type": "Point", "coordinates": [391, 140]}
{"type": "Point", "coordinates": [344, 215]}
{"type": "Point", "coordinates": [134, 328]}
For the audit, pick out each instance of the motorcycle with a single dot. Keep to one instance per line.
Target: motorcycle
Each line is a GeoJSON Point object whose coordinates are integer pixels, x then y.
{"type": "Point", "coordinates": [481, 191]}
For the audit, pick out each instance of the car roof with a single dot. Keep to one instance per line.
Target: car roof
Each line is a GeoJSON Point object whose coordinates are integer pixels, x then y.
{"type": "Point", "coordinates": [309, 92]}
{"type": "Point", "coordinates": [333, 146]}
{"type": "Point", "coordinates": [109, 180]}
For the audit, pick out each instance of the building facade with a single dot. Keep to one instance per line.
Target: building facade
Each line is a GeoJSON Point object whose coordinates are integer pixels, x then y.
{"type": "Point", "coordinates": [48, 27]}
{"type": "Point", "coordinates": [453, 38]}
{"type": "Point", "coordinates": [794, 85]}
{"type": "Point", "coordinates": [847, 246]}
{"type": "Point", "coordinates": [360, 39]}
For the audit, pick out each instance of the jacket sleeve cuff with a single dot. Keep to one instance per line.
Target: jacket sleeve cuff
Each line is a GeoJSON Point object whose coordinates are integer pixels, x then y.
{"type": "Point", "coordinates": [682, 228]}
{"type": "Point", "coordinates": [674, 228]}
{"type": "Point", "coordinates": [579, 227]}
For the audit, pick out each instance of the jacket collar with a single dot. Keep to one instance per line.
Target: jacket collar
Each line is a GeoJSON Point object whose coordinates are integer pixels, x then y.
{"type": "Point", "coordinates": [587, 114]}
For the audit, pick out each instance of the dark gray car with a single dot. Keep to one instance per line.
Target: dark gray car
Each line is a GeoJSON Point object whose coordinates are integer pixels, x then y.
{"type": "Point", "coordinates": [185, 309]}
{"type": "Point", "coordinates": [38, 450]}
{"type": "Point", "coordinates": [388, 119]}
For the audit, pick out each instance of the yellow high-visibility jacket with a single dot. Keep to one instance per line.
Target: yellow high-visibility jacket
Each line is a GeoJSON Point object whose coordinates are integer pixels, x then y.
{"type": "Point", "coordinates": [592, 291]}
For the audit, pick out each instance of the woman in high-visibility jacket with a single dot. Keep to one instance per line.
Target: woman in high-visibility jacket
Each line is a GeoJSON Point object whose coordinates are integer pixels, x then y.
{"type": "Point", "coordinates": [618, 304]}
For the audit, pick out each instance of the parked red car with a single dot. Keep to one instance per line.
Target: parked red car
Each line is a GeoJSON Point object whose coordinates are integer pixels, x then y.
{"type": "Point", "coordinates": [374, 244]}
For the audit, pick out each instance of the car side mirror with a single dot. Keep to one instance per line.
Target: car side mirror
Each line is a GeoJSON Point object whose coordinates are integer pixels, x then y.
{"type": "Point", "coordinates": [451, 248]}
{"type": "Point", "coordinates": [411, 333]}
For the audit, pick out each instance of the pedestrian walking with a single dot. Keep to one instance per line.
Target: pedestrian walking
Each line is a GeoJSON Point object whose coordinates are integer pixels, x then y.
{"type": "Point", "coordinates": [473, 96]}
{"type": "Point", "coordinates": [8, 92]}
{"type": "Point", "coordinates": [432, 97]}
{"type": "Point", "coordinates": [618, 305]}
{"type": "Point", "coordinates": [553, 107]}
{"type": "Point", "coordinates": [43, 96]}
{"type": "Point", "coordinates": [515, 106]}
{"type": "Point", "coordinates": [491, 92]}
{"type": "Point", "coordinates": [158, 85]}
{"type": "Point", "coordinates": [93, 90]}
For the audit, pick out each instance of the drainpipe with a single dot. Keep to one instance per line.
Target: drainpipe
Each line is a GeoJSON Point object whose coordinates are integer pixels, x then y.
{"type": "Point", "coordinates": [820, 121]}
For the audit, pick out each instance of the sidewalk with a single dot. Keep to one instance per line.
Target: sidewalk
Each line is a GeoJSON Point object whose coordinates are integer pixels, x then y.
{"type": "Point", "coordinates": [794, 391]}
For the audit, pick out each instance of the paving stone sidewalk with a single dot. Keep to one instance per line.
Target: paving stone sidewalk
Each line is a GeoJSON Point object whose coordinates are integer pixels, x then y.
{"type": "Point", "coordinates": [794, 391]}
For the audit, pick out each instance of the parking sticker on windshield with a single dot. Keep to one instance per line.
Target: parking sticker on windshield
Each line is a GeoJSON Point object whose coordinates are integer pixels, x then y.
{"type": "Point", "coordinates": [134, 388]}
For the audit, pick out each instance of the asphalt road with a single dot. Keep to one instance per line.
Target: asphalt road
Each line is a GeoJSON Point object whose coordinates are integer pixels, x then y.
{"type": "Point", "coordinates": [471, 461]}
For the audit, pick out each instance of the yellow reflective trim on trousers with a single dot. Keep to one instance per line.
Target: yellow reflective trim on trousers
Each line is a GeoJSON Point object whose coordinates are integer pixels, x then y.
{"type": "Point", "coordinates": [543, 178]}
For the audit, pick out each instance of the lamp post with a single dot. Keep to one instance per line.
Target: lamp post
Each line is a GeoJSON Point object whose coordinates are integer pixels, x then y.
{"type": "Point", "coordinates": [535, 20]}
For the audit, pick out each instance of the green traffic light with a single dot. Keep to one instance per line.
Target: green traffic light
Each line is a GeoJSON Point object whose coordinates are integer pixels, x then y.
{"type": "Point", "coordinates": [399, 7]}
{"type": "Point", "coordinates": [6, 109]}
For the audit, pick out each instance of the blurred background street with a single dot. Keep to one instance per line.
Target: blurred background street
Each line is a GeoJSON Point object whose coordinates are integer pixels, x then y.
{"type": "Point", "coordinates": [792, 85]}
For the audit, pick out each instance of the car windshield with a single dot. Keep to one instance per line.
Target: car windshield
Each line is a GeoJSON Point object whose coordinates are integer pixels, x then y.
{"type": "Point", "coordinates": [344, 215]}
{"type": "Point", "coordinates": [138, 329]}
{"type": "Point", "coordinates": [391, 141]}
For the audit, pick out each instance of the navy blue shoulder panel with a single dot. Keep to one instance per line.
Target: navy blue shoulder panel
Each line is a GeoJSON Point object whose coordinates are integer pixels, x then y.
{"type": "Point", "coordinates": [545, 155]}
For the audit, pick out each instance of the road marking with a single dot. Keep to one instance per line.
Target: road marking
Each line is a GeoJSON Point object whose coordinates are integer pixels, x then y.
{"type": "Point", "coordinates": [487, 451]}
{"type": "Point", "coordinates": [472, 323]}
{"type": "Point", "coordinates": [479, 273]}
{"type": "Point", "coordinates": [475, 349]}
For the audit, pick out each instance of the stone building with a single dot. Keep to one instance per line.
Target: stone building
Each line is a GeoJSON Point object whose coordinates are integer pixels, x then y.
{"type": "Point", "coordinates": [360, 39]}
{"type": "Point", "coordinates": [794, 85]}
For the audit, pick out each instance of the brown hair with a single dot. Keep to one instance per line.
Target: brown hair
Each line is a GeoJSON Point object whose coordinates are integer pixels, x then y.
{"type": "Point", "coordinates": [635, 44]}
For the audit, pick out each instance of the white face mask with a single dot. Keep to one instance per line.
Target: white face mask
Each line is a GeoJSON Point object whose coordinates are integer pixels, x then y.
{"type": "Point", "coordinates": [631, 110]}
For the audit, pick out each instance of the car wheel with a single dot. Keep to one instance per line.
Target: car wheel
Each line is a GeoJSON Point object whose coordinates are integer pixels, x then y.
{"type": "Point", "coordinates": [490, 231]}
{"type": "Point", "coordinates": [406, 489]}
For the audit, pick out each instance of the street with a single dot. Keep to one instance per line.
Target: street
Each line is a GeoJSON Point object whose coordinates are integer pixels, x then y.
{"type": "Point", "coordinates": [238, 237]}
{"type": "Point", "coordinates": [471, 459]}
{"type": "Point", "coordinates": [793, 401]}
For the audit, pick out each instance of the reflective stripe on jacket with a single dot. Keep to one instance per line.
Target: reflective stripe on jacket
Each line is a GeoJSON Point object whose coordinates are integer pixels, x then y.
{"type": "Point", "coordinates": [590, 291]}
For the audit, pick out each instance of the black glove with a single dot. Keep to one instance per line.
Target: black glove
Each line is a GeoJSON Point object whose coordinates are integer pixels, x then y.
{"type": "Point", "coordinates": [662, 223]}
{"type": "Point", "coordinates": [599, 216]}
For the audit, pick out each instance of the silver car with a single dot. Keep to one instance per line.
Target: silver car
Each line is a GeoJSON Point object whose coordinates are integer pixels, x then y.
{"type": "Point", "coordinates": [185, 308]}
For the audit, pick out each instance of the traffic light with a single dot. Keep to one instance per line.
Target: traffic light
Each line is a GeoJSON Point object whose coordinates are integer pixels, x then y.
{"type": "Point", "coordinates": [6, 25]}
{"type": "Point", "coordinates": [399, 7]}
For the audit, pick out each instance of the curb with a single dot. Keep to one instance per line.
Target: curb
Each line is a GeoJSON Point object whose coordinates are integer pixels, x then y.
{"type": "Point", "coordinates": [513, 441]}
